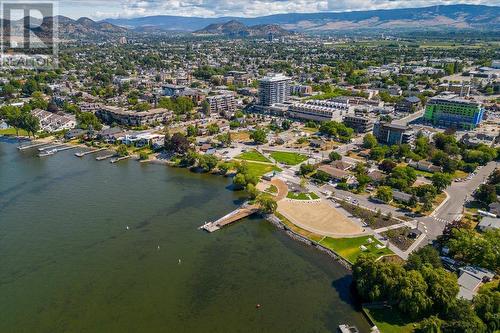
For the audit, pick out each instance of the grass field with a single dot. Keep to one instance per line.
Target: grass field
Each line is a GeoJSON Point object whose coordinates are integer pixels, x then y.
{"type": "Point", "coordinates": [288, 158]}
{"type": "Point", "coordinates": [253, 155]}
{"type": "Point", "coordinates": [389, 321]}
{"type": "Point", "coordinates": [12, 131]}
{"type": "Point", "coordinates": [259, 169]}
{"type": "Point", "coordinates": [272, 189]}
{"type": "Point", "coordinates": [349, 248]}
{"type": "Point", "coordinates": [302, 196]}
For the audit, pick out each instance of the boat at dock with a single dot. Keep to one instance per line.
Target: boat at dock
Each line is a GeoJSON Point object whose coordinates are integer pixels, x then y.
{"type": "Point", "coordinates": [47, 153]}
{"type": "Point", "coordinates": [344, 328]}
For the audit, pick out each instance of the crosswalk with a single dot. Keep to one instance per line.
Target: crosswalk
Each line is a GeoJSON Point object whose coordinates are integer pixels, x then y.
{"type": "Point", "coordinates": [441, 220]}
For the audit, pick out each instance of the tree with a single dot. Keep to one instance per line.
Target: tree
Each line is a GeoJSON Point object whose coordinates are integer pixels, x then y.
{"type": "Point", "coordinates": [322, 176]}
{"type": "Point", "coordinates": [213, 129]}
{"type": "Point", "coordinates": [208, 162]}
{"type": "Point", "coordinates": [306, 169]}
{"type": "Point", "coordinates": [442, 286]}
{"type": "Point", "coordinates": [384, 193]}
{"type": "Point", "coordinates": [369, 141]}
{"type": "Point", "coordinates": [259, 136]}
{"type": "Point", "coordinates": [387, 165]}
{"type": "Point", "coordinates": [224, 168]}
{"type": "Point", "coordinates": [252, 191]}
{"type": "Point", "coordinates": [122, 150]}
{"type": "Point", "coordinates": [430, 325]}
{"type": "Point", "coordinates": [486, 193]}
{"type": "Point", "coordinates": [334, 156]}
{"type": "Point", "coordinates": [205, 107]}
{"type": "Point", "coordinates": [267, 204]}
{"type": "Point", "coordinates": [412, 294]}
{"type": "Point", "coordinates": [427, 255]}
{"type": "Point", "coordinates": [178, 143]}
{"type": "Point", "coordinates": [225, 139]}
{"type": "Point", "coordinates": [30, 123]}
{"type": "Point", "coordinates": [239, 181]}
{"type": "Point", "coordinates": [441, 181]}
{"type": "Point", "coordinates": [192, 130]}
{"type": "Point", "coordinates": [87, 119]}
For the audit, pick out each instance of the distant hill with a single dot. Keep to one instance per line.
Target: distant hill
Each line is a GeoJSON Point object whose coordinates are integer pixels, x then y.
{"type": "Point", "coordinates": [435, 17]}
{"type": "Point", "coordinates": [235, 28]}
{"type": "Point", "coordinates": [67, 28]}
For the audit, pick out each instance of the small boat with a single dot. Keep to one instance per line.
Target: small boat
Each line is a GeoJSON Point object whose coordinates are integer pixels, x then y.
{"type": "Point", "coordinates": [47, 153]}
{"type": "Point", "coordinates": [344, 328]}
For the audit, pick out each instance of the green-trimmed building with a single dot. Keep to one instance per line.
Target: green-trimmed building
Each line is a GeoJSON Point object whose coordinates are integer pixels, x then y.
{"type": "Point", "coordinates": [453, 113]}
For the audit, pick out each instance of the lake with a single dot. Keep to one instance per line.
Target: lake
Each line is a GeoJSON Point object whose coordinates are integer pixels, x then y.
{"type": "Point", "coordinates": [68, 262]}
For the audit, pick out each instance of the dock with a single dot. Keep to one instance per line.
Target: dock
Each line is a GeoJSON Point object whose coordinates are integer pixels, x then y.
{"type": "Point", "coordinates": [83, 153]}
{"type": "Point", "coordinates": [34, 145]}
{"type": "Point", "coordinates": [118, 159]}
{"type": "Point", "coordinates": [232, 217]}
{"type": "Point", "coordinates": [104, 157]}
{"type": "Point", "coordinates": [64, 148]}
{"type": "Point", "coordinates": [50, 147]}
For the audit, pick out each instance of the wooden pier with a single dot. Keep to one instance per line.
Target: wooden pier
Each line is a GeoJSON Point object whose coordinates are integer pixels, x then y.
{"type": "Point", "coordinates": [232, 217]}
{"type": "Point", "coordinates": [83, 153]}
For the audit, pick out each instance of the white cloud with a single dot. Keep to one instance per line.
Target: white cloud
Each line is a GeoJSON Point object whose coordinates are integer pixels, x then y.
{"type": "Point", "coordinates": [247, 8]}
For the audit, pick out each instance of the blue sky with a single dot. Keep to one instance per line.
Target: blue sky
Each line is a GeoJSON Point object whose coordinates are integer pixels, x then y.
{"type": "Point", "coordinates": [99, 9]}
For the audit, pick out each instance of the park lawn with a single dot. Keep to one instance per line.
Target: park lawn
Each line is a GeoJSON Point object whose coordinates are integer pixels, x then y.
{"type": "Point", "coordinates": [389, 320]}
{"type": "Point", "coordinates": [253, 155]}
{"type": "Point", "coordinates": [12, 131]}
{"type": "Point", "coordinates": [349, 248]}
{"type": "Point", "coordinates": [288, 158]}
{"type": "Point", "coordinates": [260, 169]}
{"type": "Point", "coordinates": [422, 173]}
{"type": "Point", "coordinates": [272, 189]}
{"type": "Point", "coordinates": [302, 196]}
{"type": "Point", "coordinates": [459, 174]}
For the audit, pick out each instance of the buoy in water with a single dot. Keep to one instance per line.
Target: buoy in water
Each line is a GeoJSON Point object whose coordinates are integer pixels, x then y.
{"type": "Point", "coordinates": [258, 306]}
{"type": "Point", "coordinates": [128, 228]}
{"type": "Point", "coordinates": [179, 261]}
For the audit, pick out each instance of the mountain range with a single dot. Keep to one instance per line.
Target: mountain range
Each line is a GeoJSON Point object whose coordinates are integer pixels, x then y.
{"type": "Point", "coordinates": [448, 17]}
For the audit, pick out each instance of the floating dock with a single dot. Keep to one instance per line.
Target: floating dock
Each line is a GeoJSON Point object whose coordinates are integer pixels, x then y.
{"type": "Point", "coordinates": [232, 217]}
{"type": "Point", "coordinates": [83, 153]}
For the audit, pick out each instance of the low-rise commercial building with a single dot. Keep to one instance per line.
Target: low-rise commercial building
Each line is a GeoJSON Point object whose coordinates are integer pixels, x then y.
{"type": "Point", "coordinates": [360, 124]}
{"type": "Point", "coordinates": [110, 115]}
{"type": "Point", "coordinates": [408, 105]}
{"type": "Point", "coordinates": [318, 110]}
{"type": "Point", "coordinates": [392, 134]}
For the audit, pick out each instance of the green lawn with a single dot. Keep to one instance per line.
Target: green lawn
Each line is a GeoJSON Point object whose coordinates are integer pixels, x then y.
{"type": "Point", "coordinates": [259, 169]}
{"type": "Point", "coordinates": [389, 320]}
{"type": "Point", "coordinates": [349, 248]}
{"type": "Point", "coordinates": [302, 196]}
{"type": "Point", "coordinates": [253, 155]}
{"type": "Point", "coordinates": [272, 189]}
{"type": "Point", "coordinates": [288, 158]}
{"type": "Point", "coordinates": [12, 131]}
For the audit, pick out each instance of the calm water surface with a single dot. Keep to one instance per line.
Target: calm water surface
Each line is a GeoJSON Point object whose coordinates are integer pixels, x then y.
{"type": "Point", "coordinates": [69, 264]}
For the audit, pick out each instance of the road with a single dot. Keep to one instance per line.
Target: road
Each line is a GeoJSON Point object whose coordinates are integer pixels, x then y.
{"type": "Point", "coordinates": [452, 209]}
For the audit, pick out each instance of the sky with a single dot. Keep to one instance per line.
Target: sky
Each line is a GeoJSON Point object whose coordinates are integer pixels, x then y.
{"type": "Point", "coordinates": [100, 9]}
